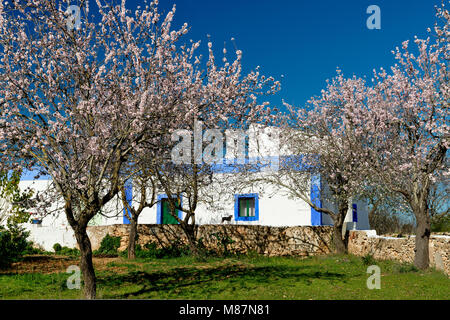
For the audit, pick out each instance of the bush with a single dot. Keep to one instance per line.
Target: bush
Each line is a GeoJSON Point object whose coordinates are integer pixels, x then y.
{"type": "Point", "coordinates": [30, 249]}
{"type": "Point", "coordinates": [440, 223]}
{"type": "Point", "coordinates": [109, 245]}
{"type": "Point", "coordinates": [368, 260]}
{"type": "Point", "coordinates": [406, 268]}
{"type": "Point", "coordinates": [151, 251]}
{"type": "Point", "coordinates": [175, 250]}
{"type": "Point", "coordinates": [65, 251]}
{"type": "Point", "coordinates": [57, 247]}
{"type": "Point", "coordinates": [13, 244]}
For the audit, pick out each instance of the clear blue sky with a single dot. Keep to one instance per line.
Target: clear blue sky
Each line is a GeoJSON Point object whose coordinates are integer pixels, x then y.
{"type": "Point", "coordinates": [304, 40]}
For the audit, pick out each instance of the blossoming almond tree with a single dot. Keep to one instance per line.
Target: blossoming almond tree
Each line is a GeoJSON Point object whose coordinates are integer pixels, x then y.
{"type": "Point", "coordinates": [322, 140]}
{"type": "Point", "coordinates": [409, 123]}
{"type": "Point", "coordinates": [76, 102]}
{"type": "Point", "coordinates": [394, 134]}
{"type": "Point", "coordinates": [79, 99]}
{"type": "Point", "coordinates": [217, 98]}
{"type": "Point", "coordinates": [143, 180]}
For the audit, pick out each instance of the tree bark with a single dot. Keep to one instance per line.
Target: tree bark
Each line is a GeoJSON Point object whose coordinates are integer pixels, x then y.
{"type": "Point", "coordinates": [189, 230]}
{"type": "Point", "coordinates": [132, 239]}
{"type": "Point", "coordinates": [87, 267]}
{"type": "Point", "coordinates": [423, 232]}
{"type": "Point", "coordinates": [340, 244]}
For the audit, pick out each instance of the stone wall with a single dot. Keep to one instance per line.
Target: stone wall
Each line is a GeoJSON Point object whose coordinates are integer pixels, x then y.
{"type": "Point", "coordinates": [363, 243]}
{"type": "Point", "coordinates": [300, 241]}
{"type": "Point", "coordinates": [281, 241]}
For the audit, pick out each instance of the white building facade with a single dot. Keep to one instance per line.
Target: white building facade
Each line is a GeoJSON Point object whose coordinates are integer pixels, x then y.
{"type": "Point", "coordinates": [255, 204]}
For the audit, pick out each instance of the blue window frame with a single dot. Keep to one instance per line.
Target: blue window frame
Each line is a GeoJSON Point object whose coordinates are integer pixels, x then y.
{"type": "Point", "coordinates": [159, 208]}
{"type": "Point", "coordinates": [246, 207]}
{"type": "Point", "coordinates": [355, 212]}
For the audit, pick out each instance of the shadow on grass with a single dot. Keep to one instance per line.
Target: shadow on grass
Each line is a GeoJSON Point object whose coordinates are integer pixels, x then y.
{"type": "Point", "coordinates": [166, 281]}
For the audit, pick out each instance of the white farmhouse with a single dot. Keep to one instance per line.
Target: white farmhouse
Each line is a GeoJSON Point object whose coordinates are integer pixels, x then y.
{"type": "Point", "coordinates": [260, 204]}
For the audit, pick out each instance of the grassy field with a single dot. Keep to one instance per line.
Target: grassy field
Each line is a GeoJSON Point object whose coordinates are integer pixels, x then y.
{"type": "Point", "coordinates": [279, 278]}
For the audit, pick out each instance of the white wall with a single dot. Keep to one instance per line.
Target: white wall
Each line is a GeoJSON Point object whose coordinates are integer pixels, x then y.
{"type": "Point", "coordinates": [113, 209]}
{"type": "Point", "coordinates": [57, 218]}
{"type": "Point", "coordinates": [46, 236]}
{"type": "Point", "coordinates": [275, 209]}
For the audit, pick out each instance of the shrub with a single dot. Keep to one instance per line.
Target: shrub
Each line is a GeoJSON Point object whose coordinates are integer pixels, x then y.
{"type": "Point", "coordinates": [30, 249]}
{"type": "Point", "coordinates": [440, 223]}
{"type": "Point", "coordinates": [13, 244]}
{"type": "Point", "coordinates": [65, 251]}
{"type": "Point", "coordinates": [109, 245]}
{"type": "Point", "coordinates": [57, 247]}
{"type": "Point", "coordinates": [176, 249]}
{"type": "Point", "coordinates": [151, 251]}
{"type": "Point", "coordinates": [368, 260]}
{"type": "Point", "coordinates": [406, 268]}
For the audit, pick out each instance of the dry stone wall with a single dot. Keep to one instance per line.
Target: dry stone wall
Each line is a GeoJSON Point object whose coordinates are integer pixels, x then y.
{"type": "Point", "coordinates": [363, 243]}
{"type": "Point", "coordinates": [282, 241]}
{"type": "Point", "coordinates": [272, 241]}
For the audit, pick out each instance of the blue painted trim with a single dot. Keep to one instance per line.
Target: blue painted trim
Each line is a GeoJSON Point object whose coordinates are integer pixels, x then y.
{"type": "Point", "coordinates": [300, 163]}
{"type": "Point", "coordinates": [129, 198]}
{"type": "Point", "coordinates": [159, 208]}
{"type": "Point", "coordinates": [355, 212]}
{"type": "Point", "coordinates": [316, 188]}
{"type": "Point", "coordinates": [236, 207]}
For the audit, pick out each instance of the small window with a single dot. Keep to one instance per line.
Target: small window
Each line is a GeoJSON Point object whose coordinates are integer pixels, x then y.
{"type": "Point", "coordinates": [246, 207]}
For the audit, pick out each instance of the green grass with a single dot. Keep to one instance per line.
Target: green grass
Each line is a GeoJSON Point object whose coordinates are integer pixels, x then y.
{"type": "Point", "coordinates": [279, 278]}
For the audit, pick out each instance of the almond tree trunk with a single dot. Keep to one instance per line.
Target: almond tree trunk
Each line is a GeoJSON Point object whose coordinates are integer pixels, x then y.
{"type": "Point", "coordinates": [189, 230]}
{"type": "Point", "coordinates": [423, 232]}
{"type": "Point", "coordinates": [340, 244]}
{"type": "Point", "coordinates": [132, 238]}
{"type": "Point", "coordinates": [87, 267]}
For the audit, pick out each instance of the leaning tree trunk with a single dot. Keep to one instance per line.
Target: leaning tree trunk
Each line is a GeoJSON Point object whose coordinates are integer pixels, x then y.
{"type": "Point", "coordinates": [340, 244]}
{"type": "Point", "coordinates": [132, 238]}
{"type": "Point", "coordinates": [423, 232]}
{"type": "Point", "coordinates": [87, 268]}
